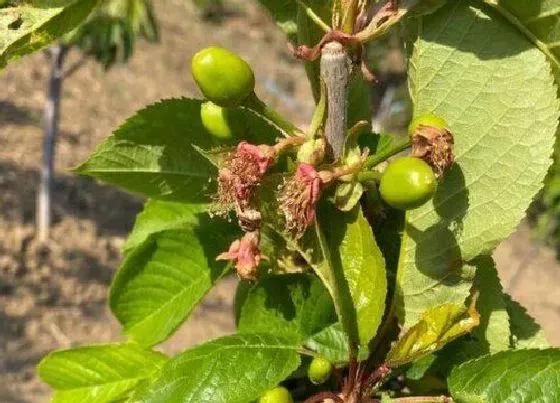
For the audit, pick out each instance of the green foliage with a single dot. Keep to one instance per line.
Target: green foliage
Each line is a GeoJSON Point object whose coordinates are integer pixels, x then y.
{"type": "Point", "coordinates": [332, 343]}
{"type": "Point", "coordinates": [361, 271]}
{"type": "Point", "coordinates": [481, 92]}
{"type": "Point", "coordinates": [517, 376]}
{"type": "Point", "coordinates": [525, 332]}
{"type": "Point", "coordinates": [232, 369]}
{"type": "Point", "coordinates": [110, 34]}
{"type": "Point", "coordinates": [27, 28]}
{"type": "Point", "coordinates": [538, 20]}
{"type": "Point", "coordinates": [167, 274]}
{"type": "Point", "coordinates": [493, 334]}
{"type": "Point", "coordinates": [353, 269]}
{"type": "Point", "coordinates": [152, 153]}
{"type": "Point", "coordinates": [98, 374]}
{"type": "Point", "coordinates": [295, 306]}
{"type": "Point", "coordinates": [437, 327]}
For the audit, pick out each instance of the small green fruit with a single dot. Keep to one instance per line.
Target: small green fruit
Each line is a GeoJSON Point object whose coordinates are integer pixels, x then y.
{"type": "Point", "coordinates": [407, 183]}
{"type": "Point", "coordinates": [319, 370]}
{"type": "Point", "coordinates": [215, 120]}
{"type": "Point", "coordinates": [277, 395]}
{"type": "Point", "coordinates": [222, 76]}
{"type": "Point", "coordinates": [428, 119]}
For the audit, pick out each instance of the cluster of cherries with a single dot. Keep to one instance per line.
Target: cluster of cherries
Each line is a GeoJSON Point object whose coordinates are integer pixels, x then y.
{"type": "Point", "coordinates": [227, 81]}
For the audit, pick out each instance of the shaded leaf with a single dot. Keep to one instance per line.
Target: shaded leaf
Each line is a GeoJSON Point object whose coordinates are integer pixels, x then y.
{"type": "Point", "coordinates": [525, 332]}
{"type": "Point", "coordinates": [493, 332]}
{"type": "Point", "coordinates": [232, 369]}
{"type": "Point", "coordinates": [295, 306]}
{"type": "Point", "coordinates": [332, 343]}
{"type": "Point", "coordinates": [97, 374]}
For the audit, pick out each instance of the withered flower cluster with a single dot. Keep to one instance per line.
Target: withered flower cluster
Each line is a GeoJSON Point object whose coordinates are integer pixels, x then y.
{"type": "Point", "coordinates": [240, 176]}
{"type": "Point", "coordinates": [298, 198]}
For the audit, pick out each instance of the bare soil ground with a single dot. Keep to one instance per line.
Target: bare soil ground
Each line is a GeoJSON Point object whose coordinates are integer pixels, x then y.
{"type": "Point", "coordinates": [55, 297]}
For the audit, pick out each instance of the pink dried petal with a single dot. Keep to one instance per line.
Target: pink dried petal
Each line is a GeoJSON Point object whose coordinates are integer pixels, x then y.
{"type": "Point", "coordinates": [263, 155]}
{"type": "Point", "coordinates": [241, 174]}
{"type": "Point", "coordinates": [232, 253]}
{"type": "Point", "coordinates": [246, 254]}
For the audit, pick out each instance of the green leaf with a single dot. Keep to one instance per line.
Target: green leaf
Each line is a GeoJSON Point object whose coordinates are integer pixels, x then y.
{"type": "Point", "coordinates": [232, 369]}
{"type": "Point", "coordinates": [509, 376]}
{"type": "Point", "coordinates": [295, 306]}
{"type": "Point", "coordinates": [539, 20]}
{"type": "Point", "coordinates": [354, 253]}
{"type": "Point", "coordinates": [162, 280]}
{"type": "Point", "coordinates": [28, 28]}
{"type": "Point", "coordinates": [284, 13]}
{"type": "Point", "coordinates": [161, 215]}
{"type": "Point", "coordinates": [492, 335]}
{"type": "Point", "coordinates": [493, 332]}
{"type": "Point", "coordinates": [359, 99]}
{"type": "Point", "coordinates": [437, 327]}
{"type": "Point", "coordinates": [152, 153]}
{"type": "Point", "coordinates": [316, 250]}
{"type": "Point", "coordinates": [471, 67]}
{"type": "Point", "coordinates": [98, 374]}
{"type": "Point", "coordinates": [347, 195]}
{"type": "Point", "coordinates": [332, 343]}
{"type": "Point", "coordinates": [525, 332]}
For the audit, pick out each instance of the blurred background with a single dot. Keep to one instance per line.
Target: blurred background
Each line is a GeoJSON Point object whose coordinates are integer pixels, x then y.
{"type": "Point", "coordinates": [55, 269]}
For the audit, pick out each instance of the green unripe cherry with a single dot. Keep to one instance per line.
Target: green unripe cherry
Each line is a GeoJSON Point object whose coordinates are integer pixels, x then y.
{"type": "Point", "coordinates": [407, 183]}
{"type": "Point", "coordinates": [215, 120]}
{"type": "Point", "coordinates": [222, 76]}
{"type": "Point", "coordinates": [277, 395]}
{"type": "Point", "coordinates": [428, 119]}
{"type": "Point", "coordinates": [319, 370]}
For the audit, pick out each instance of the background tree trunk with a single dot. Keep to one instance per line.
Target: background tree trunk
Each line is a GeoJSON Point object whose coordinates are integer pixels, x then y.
{"type": "Point", "coordinates": [51, 126]}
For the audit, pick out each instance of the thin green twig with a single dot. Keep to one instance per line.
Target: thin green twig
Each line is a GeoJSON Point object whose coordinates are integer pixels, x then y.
{"type": "Point", "coordinates": [377, 159]}
{"type": "Point", "coordinates": [314, 17]}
